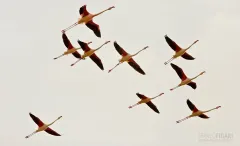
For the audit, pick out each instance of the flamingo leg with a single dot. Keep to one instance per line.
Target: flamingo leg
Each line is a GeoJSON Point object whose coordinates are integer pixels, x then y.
{"type": "Point", "coordinates": [133, 105]}
{"type": "Point", "coordinates": [71, 26]}
{"type": "Point", "coordinates": [174, 88]}
{"type": "Point", "coordinates": [168, 61]}
{"type": "Point", "coordinates": [58, 56]}
{"type": "Point", "coordinates": [31, 134]}
{"type": "Point", "coordinates": [114, 67]}
{"type": "Point", "coordinates": [76, 62]}
{"type": "Point", "coordinates": [183, 119]}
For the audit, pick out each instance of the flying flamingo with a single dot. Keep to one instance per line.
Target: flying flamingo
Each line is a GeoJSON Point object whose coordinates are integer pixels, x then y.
{"type": "Point", "coordinates": [128, 58]}
{"type": "Point", "coordinates": [147, 100]}
{"type": "Point", "coordinates": [87, 18]}
{"type": "Point", "coordinates": [196, 112]}
{"type": "Point", "coordinates": [184, 78]}
{"type": "Point", "coordinates": [42, 126]}
{"type": "Point", "coordinates": [71, 49]}
{"type": "Point", "coordinates": [88, 52]}
{"type": "Point", "coordinates": [178, 51]}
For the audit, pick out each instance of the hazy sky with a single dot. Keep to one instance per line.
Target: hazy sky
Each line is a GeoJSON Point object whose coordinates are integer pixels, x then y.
{"type": "Point", "coordinates": [94, 103]}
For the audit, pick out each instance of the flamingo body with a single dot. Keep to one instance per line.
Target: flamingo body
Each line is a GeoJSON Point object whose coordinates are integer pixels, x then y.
{"type": "Point", "coordinates": [184, 79]}
{"type": "Point", "coordinates": [126, 57]}
{"type": "Point", "coordinates": [148, 101]}
{"type": "Point", "coordinates": [178, 50]}
{"type": "Point", "coordinates": [42, 126]}
{"type": "Point", "coordinates": [196, 112]}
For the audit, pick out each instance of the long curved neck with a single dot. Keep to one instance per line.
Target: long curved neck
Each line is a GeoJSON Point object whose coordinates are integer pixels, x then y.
{"type": "Point", "coordinates": [53, 122]}
{"type": "Point", "coordinates": [100, 47]}
{"type": "Point", "coordinates": [138, 52]}
{"type": "Point", "coordinates": [156, 96]}
{"type": "Point", "coordinates": [100, 13]}
{"type": "Point", "coordinates": [190, 45]}
{"type": "Point", "coordinates": [209, 110]}
{"type": "Point", "coordinates": [195, 77]}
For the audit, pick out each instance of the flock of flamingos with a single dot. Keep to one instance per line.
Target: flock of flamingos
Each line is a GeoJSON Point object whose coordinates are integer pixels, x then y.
{"type": "Point", "coordinates": [87, 19]}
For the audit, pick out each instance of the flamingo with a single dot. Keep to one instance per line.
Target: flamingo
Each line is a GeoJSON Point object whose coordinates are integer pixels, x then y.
{"type": "Point", "coordinates": [87, 18]}
{"type": "Point", "coordinates": [128, 58]}
{"type": "Point", "coordinates": [196, 112]}
{"type": "Point", "coordinates": [184, 78]}
{"type": "Point", "coordinates": [178, 51]}
{"type": "Point", "coordinates": [147, 100]}
{"type": "Point", "coordinates": [88, 52]}
{"type": "Point", "coordinates": [42, 126]}
{"type": "Point", "coordinates": [71, 49]}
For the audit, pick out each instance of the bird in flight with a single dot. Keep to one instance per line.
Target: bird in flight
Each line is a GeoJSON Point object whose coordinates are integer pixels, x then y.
{"type": "Point", "coordinates": [42, 126]}
{"type": "Point", "coordinates": [196, 112]}
{"type": "Point", "coordinates": [71, 50]}
{"type": "Point", "coordinates": [88, 52]}
{"type": "Point", "coordinates": [126, 57]}
{"type": "Point", "coordinates": [148, 101]}
{"type": "Point", "coordinates": [178, 50]}
{"type": "Point", "coordinates": [87, 18]}
{"type": "Point", "coordinates": [184, 78]}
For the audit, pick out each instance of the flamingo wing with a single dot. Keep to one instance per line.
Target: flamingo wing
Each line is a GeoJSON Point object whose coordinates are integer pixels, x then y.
{"type": "Point", "coordinates": [141, 96]}
{"type": "Point", "coordinates": [179, 71]}
{"type": "Point", "coordinates": [152, 106]}
{"type": "Point", "coordinates": [119, 49]}
{"type": "Point", "coordinates": [192, 84]}
{"type": "Point", "coordinates": [36, 120]}
{"type": "Point", "coordinates": [83, 11]}
{"type": "Point", "coordinates": [84, 46]}
{"type": "Point", "coordinates": [52, 132]}
{"type": "Point", "coordinates": [187, 56]}
{"type": "Point", "coordinates": [98, 61]}
{"type": "Point", "coordinates": [203, 116]}
{"type": "Point", "coordinates": [191, 106]}
{"type": "Point", "coordinates": [94, 27]}
{"type": "Point", "coordinates": [66, 41]}
{"type": "Point", "coordinates": [76, 54]}
{"type": "Point", "coordinates": [134, 65]}
{"type": "Point", "coordinates": [172, 44]}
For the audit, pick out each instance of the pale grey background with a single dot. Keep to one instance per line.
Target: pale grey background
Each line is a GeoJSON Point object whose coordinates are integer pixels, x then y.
{"type": "Point", "coordinates": [93, 103]}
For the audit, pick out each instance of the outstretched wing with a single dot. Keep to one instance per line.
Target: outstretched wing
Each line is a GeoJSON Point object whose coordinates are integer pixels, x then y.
{"type": "Point", "coordinates": [98, 61]}
{"type": "Point", "coordinates": [84, 46]}
{"type": "Point", "coordinates": [94, 27]}
{"type": "Point", "coordinates": [172, 44]}
{"type": "Point", "coordinates": [192, 84]}
{"type": "Point", "coordinates": [52, 132]}
{"type": "Point", "coordinates": [187, 56]}
{"type": "Point", "coordinates": [83, 11]}
{"type": "Point", "coordinates": [134, 65]}
{"type": "Point", "coordinates": [203, 116]}
{"type": "Point", "coordinates": [76, 54]}
{"type": "Point", "coordinates": [119, 49]}
{"type": "Point", "coordinates": [36, 120]}
{"type": "Point", "coordinates": [179, 71]}
{"type": "Point", "coordinates": [191, 106]}
{"type": "Point", "coordinates": [141, 96]}
{"type": "Point", "coordinates": [152, 106]}
{"type": "Point", "coordinates": [66, 41]}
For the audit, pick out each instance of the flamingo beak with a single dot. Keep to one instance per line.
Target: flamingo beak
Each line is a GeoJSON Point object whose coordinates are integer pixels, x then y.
{"type": "Point", "coordinates": [218, 107]}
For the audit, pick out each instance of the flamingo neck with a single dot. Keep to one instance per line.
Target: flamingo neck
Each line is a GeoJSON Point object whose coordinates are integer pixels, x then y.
{"type": "Point", "coordinates": [195, 77]}
{"type": "Point", "coordinates": [52, 122]}
{"type": "Point", "coordinates": [209, 110]}
{"type": "Point", "coordinates": [100, 47]}
{"type": "Point", "coordinates": [100, 13]}
{"type": "Point", "coordinates": [190, 46]}
{"type": "Point", "coordinates": [138, 52]}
